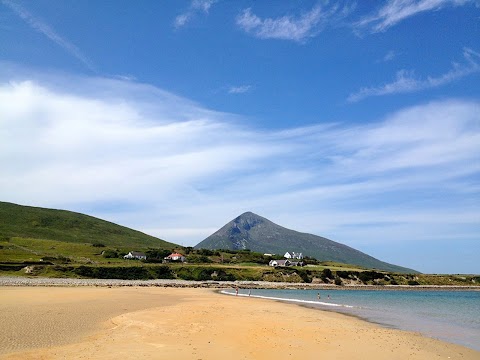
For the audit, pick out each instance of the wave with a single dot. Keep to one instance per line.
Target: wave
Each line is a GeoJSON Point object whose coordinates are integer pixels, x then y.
{"type": "Point", "coordinates": [310, 302]}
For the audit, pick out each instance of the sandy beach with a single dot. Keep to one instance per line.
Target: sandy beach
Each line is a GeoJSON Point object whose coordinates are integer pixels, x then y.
{"type": "Point", "coordinates": [189, 323]}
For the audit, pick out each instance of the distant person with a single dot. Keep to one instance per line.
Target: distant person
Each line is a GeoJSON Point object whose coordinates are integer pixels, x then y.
{"type": "Point", "coordinates": [249, 292]}
{"type": "Point", "coordinates": [328, 296]}
{"type": "Point", "coordinates": [236, 290]}
{"type": "Point", "coordinates": [318, 296]}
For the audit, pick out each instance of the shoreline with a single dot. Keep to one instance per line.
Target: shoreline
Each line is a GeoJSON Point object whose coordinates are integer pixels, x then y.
{"type": "Point", "coordinates": [186, 323]}
{"type": "Point", "coordinates": [76, 282]}
{"type": "Point", "coordinates": [354, 312]}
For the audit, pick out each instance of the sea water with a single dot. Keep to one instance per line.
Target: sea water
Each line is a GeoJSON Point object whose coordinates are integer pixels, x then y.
{"type": "Point", "coordinates": [452, 316]}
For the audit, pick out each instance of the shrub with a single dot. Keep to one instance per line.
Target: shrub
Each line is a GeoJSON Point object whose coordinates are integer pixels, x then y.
{"type": "Point", "coordinates": [62, 268]}
{"type": "Point", "coordinates": [204, 275]}
{"type": "Point", "coordinates": [305, 275]}
{"type": "Point", "coordinates": [224, 276]}
{"type": "Point", "coordinates": [338, 281]}
{"type": "Point", "coordinates": [347, 274]}
{"type": "Point", "coordinates": [192, 273]}
{"type": "Point", "coordinates": [199, 273]}
{"type": "Point", "coordinates": [413, 282]}
{"type": "Point", "coordinates": [109, 254]}
{"type": "Point", "coordinates": [205, 252]}
{"type": "Point", "coordinates": [198, 259]}
{"type": "Point", "coordinates": [162, 272]}
{"type": "Point", "coordinates": [366, 276]}
{"type": "Point", "coordinates": [151, 260]}
{"type": "Point", "coordinates": [187, 250]}
{"type": "Point", "coordinates": [310, 260]}
{"type": "Point", "coordinates": [326, 275]}
{"type": "Point", "coordinates": [98, 245]}
{"type": "Point", "coordinates": [102, 272]}
{"type": "Point", "coordinates": [156, 255]}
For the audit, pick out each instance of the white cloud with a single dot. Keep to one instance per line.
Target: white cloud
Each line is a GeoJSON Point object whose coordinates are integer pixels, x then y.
{"type": "Point", "coordinates": [142, 157]}
{"type": "Point", "coordinates": [46, 30]}
{"type": "Point", "coordinates": [395, 11]}
{"type": "Point", "coordinates": [406, 82]}
{"type": "Point", "coordinates": [181, 20]}
{"type": "Point", "coordinates": [389, 56]}
{"type": "Point", "coordinates": [203, 5]}
{"type": "Point", "coordinates": [125, 77]}
{"type": "Point", "coordinates": [195, 7]}
{"type": "Point", "coordinates": [289, 27]}
{"type": "Point", "coordinates": [239, 89]}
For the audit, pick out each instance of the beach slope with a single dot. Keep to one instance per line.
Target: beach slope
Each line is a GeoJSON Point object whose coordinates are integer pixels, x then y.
{"type": "Point", "coordinates": [187, 323]}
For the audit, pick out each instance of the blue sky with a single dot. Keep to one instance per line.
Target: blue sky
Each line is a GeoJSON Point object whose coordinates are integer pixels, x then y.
{"type": "Point", "coordinates": [357, 121]}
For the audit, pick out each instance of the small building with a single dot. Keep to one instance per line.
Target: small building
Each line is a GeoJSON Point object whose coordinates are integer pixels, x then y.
{"type": "Point", "coordinates": [284, 263]}
{"type": "Point", "coordinates": [279, 263]}
{"type": "Point", "coordinates": [298, 256]}
{"type": "Point", "coordinates": [296, 263]}
{"type": "Point", "coordinates": [293, 255]}
{"type": "Point", "coordinates": [135, 255]}
{"type": "Point", "coordinates": [175, 257]}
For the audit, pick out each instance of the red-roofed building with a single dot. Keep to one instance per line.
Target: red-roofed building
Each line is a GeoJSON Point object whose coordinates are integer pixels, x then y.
{"type": "Point", "coordinates": [175, 257]}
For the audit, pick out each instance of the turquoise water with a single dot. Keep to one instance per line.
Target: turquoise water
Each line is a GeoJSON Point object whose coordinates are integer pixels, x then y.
{"type": "Point", "coordinates": [452, 316]}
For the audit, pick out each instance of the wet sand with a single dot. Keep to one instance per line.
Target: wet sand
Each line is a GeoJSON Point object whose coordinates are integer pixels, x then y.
{"type": "Point", "coordinates": [187, 323]}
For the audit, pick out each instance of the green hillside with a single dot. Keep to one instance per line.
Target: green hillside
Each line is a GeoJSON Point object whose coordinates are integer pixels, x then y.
{"type": "Point", "coordinates": [67, 226]}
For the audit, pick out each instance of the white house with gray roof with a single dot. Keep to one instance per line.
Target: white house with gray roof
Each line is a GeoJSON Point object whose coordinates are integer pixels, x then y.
{"type": "Point", "coordinates": [135, 255]}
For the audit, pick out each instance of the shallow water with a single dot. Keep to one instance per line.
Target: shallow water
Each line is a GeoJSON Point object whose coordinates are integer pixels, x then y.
{"type": "Point", "coordinates": [452, 316]}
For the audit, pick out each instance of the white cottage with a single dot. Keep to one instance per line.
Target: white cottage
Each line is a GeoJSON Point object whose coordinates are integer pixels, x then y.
{"type": "Point", "coordinates": [135, 255]}
{"type": "Point", "coordinates": [175, 257]}
{"type": "Point", "coordinates": [281, 263]}
{"type": "Point", "coordinates": [293, 255]}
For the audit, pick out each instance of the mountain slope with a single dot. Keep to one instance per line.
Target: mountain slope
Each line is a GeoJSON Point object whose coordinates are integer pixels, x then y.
{"type": "Point", "coordinates": [250, 231]}
{"type": "Point", "coordinates": [62, 225]}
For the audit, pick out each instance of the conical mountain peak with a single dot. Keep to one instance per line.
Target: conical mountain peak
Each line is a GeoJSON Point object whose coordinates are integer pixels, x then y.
{"type": "Point", "coordinates": [248, 220]}
{"type": "Point", "coordinates": [254, 232]}
{"type": "Point", "coordinates": [249, 215]}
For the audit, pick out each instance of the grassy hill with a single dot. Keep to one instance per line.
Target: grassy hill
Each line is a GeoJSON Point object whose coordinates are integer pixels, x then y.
{"type": "Point", "coordinates": [18, 221]}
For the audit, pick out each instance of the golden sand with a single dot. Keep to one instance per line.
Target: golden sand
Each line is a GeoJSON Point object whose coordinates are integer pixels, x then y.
{"type": "Point", "coordinates": [185, 323]}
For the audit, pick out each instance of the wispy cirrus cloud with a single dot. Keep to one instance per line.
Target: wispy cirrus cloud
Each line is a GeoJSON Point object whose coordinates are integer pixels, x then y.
{"type": "Point", "coordinates": [140, 156]}
{"type": "Point", "coordinates": [406, 81]}
{"type": "Point", "coordinates": [389, 56]}
{"type": "Point", "coordinates": [45, 29]}
{"type": "Point", "coordinates": [289, 27]}
{"type": "Point", "coordinates": [395, 11]}
{"type": "Point", "coordinates": [242, 89]}
{"type": "Point", "coordinates": [196, 6]}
